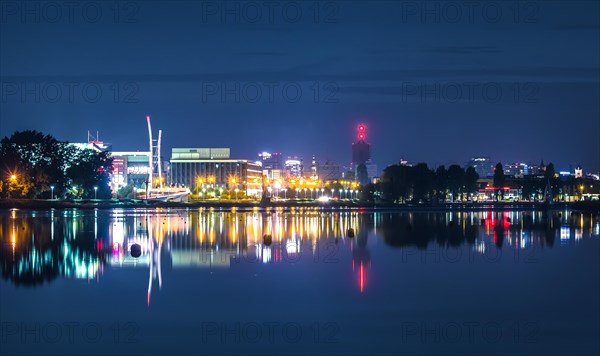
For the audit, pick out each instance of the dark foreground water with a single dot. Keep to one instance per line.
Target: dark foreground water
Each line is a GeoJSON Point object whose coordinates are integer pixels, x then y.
{"type": "Point", "coordinates": [209, 282]}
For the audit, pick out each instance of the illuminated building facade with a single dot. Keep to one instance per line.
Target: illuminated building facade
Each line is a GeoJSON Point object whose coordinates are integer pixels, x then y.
{"type": "Point", "coordinates": [272, 164]}
{"type": "Point", "coordinates": [212, 166]}
{"type": "Point", "coordinates": [130, 168]}
{"type": "Point", "coordinates": [293, 167]}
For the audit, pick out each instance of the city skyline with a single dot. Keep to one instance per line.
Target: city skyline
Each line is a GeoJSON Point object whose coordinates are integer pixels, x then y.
{"type": "Point", "coordinates": [518, 86]}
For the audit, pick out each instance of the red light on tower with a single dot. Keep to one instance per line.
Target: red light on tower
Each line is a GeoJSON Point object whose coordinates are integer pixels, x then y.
{"type": "Point", "coordinates": [361, 132]}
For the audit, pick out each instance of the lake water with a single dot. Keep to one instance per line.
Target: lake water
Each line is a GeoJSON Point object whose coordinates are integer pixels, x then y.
{"type": "Point", "coordinates": [485, 282]}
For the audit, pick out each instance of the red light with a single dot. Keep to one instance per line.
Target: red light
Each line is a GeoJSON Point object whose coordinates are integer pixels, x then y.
{"type": "Point", "coordinates": [361, 127]}
{"type": "Point", "coordinates": [361, 136]}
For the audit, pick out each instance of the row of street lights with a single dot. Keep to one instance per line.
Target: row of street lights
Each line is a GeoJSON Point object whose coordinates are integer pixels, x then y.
{"type": "Point", "coordinates": [342, 193]}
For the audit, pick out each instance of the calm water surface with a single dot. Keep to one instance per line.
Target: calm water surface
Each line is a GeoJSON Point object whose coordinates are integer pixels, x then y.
{"type": "Point", "coordinates": [210, 282]}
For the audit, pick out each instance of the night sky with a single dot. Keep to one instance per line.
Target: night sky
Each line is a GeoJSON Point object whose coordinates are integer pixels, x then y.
{"type": "Point", "coordinates": [437, 82]}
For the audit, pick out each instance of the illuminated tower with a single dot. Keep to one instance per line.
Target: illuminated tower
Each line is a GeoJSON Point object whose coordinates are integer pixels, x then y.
{"type": "Point", "coordinates": [361, 151]}
{"type": "Point", "coordinates": [154, 158]}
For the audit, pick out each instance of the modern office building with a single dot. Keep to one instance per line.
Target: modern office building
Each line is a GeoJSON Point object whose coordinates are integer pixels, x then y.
{"type": "Point", "coordinates": [192, 167]}
{"type": "Point", "coordinates": [293, 167]}
{"type": "Point", "coordinates": [517, 170]}
{"type": "Point", "coordinates": [272, 164]}
{"type": "Point", "coordinates": [130, 168]}
{"type": "Point", "coordinates": [483, 166]}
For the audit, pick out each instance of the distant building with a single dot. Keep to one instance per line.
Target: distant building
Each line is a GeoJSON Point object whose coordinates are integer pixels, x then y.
{"type": "Point", "coordinates": [293, 167]}
{"type": "Point", "coordinates": [483, 166]}
{"type": "Point", "coordinates": [329, 171]}
{"type": "Point", "coordinates": [517, 170]}
{"type": "Point", "coordinates": [372, 171]}
{"type": "Point", "coordinates": [313, 169]}
{"type": "Point", "coordinates": [213, 167]}
{"type": "Point", "coordinates": [272, 164]}
{"type": "Point", "coordinates": [130, 168]}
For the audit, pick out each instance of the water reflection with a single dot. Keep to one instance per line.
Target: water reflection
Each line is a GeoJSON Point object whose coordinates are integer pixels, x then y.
{"type": "Point", "coordinates": [38, 247]}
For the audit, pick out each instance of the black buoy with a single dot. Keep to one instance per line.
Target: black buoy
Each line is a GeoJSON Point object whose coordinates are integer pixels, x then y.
{"type": "Point", "coordinates": [508, 219]}
{"type": "Point", "coordinates": [350, 232]}
{"type": "Point", "coordinates": [408, 227]}
{"type": "Point", "coordinates": [450, 223]}
{"type": "Point", "coordinates": [268, 240]}
{"type": "Point", "coordinates": [482, 221]}
{"type": "Point", "coordinates": [136, 250]}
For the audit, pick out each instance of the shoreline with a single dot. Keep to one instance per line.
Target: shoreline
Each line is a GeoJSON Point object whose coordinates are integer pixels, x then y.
{"type": "Point", "coordinates": [35, 204]}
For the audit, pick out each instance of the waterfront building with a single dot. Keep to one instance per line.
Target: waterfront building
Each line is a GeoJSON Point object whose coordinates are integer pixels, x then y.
{"type": "Point", "coordinates": [213, 168]}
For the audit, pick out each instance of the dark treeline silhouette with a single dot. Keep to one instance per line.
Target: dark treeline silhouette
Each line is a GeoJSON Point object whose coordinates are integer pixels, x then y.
{"type": "Point", "coordinates": [32, 163]}
{"type": "Point", "coordinates": [420, 184]}
{"type": "Point", "coordinates": [421, 229]}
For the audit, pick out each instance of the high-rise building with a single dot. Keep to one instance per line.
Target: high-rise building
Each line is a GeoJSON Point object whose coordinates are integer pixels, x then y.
{"type": "Point", "coordinates": [329, 171]}
{"type": "Point", "coordinates": [293, 167]}
{"type": "Point", "coordinates": [483, 166]}
{"type": "Point", "coordinates": [272, 164]}
{"type": "Point", "coordinates": [361, 150]}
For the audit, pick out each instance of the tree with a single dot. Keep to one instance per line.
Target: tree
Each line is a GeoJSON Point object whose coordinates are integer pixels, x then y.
{"type": "Point", "coordinates": [471, 178]}
{"type": "Point", "coordinates": [90, 169]}
{"type": "Point", "coordinates": [455, 180]}
{"type": "Point", "coordinates": [367, 193]}
{"type": "Point", "coordinates": [395, 183]}
{"type": "Point", "coordinates": [441, 182]}
{"type": "Point", "coordinates": [37, 159]}
{"type": "Point", "coordinates": [499, 180]}
{"type": "Point", "coordinates": [422, 179]}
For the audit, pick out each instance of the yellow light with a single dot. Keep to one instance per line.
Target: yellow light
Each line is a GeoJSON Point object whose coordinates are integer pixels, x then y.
{"type": "Point", "coordinates": [13, 177]}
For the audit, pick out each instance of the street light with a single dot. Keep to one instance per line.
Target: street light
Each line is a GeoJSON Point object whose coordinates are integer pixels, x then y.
{"type": "Point", "coordinates": [51, 192]}
{"type": "Point", "coordinates": [236, 191]}
{"type": "Point", "coordinates": [95, 193]}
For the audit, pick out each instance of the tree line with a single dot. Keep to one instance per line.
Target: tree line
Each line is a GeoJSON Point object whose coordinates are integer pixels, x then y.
{"type": "Point", "coordinates": [31, 163]}
{"type": "Point", "coordinates": [420, 184]}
